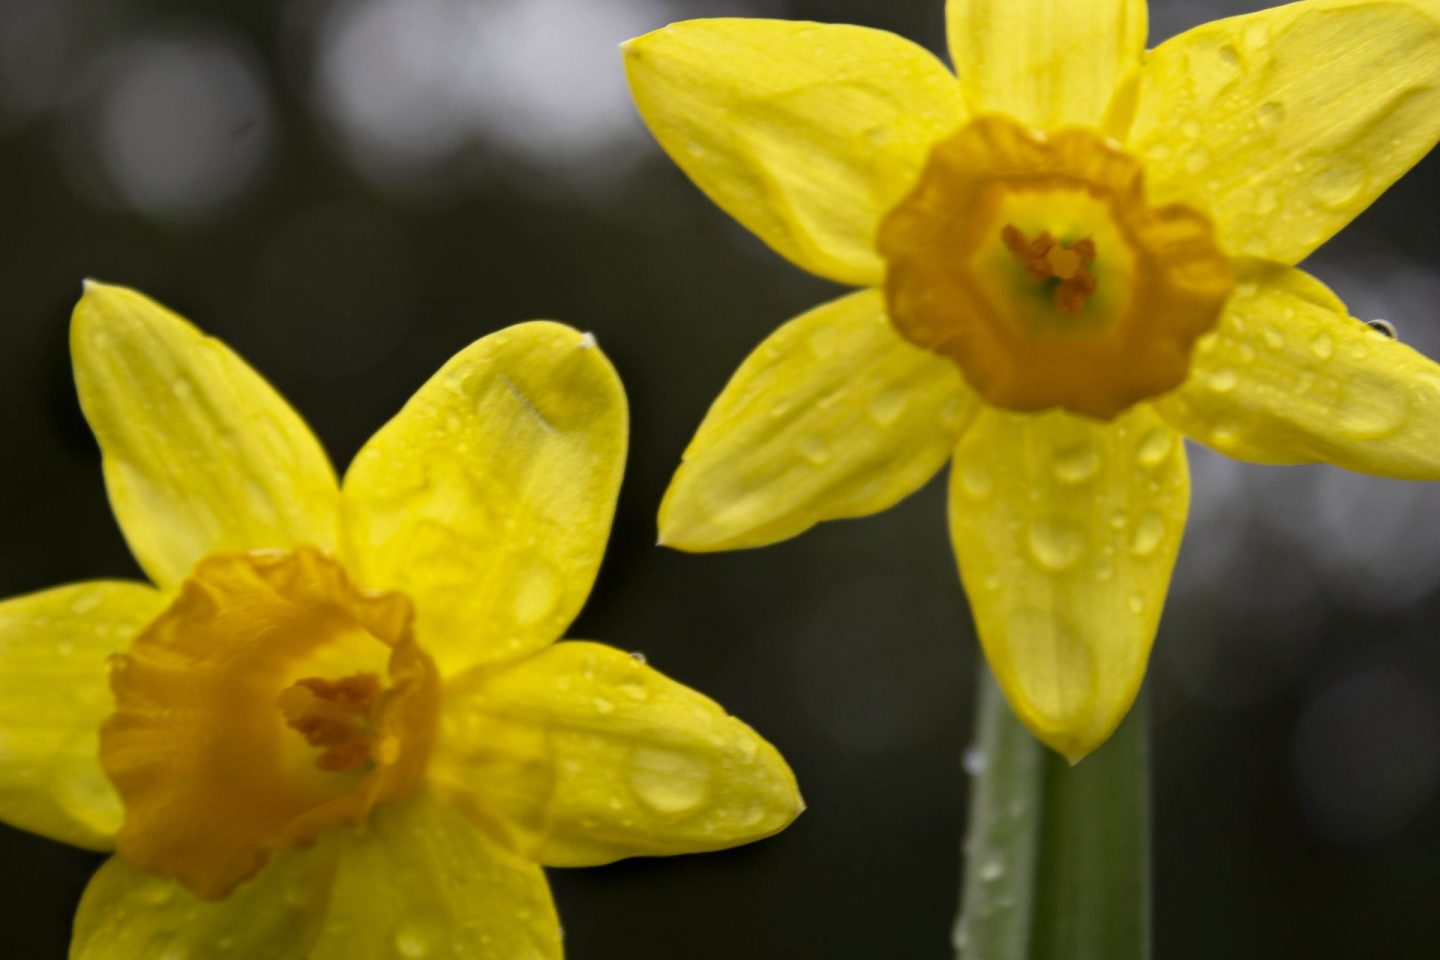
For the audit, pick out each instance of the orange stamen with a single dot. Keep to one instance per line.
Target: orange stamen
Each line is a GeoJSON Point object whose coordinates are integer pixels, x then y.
{"type": "Point", "coordinates": [337, 715]}
{"type": "Point", "coordinates": [1046, 258]}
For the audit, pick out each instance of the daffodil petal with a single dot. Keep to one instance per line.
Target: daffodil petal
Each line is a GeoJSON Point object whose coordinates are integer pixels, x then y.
{"type": "Point", "coordinates": [582, 755]}
{"type": "Point", "coordinates": [419, 880]}
{"type": "Point", "coordinates": [126, 914]}
{"type": "Point", "coordinates": [806, 133]}
{"type": "Point", "coordinates": [1047, 63]}
{"type": "Point", "coordinates": [53, 697]}
{"type": "Point", "coordinates": [835, 415]}
{"type": "Point", "coordinates": [488, 498]}
{"type": "Point", "coordinates": [1286, 123]}
{"type": "Point", "coordinates": [1289, 377]}
{"type": "Point", "coordinates": [200, 453]}
{"type": "Point", "coordinates": [1066, 530]}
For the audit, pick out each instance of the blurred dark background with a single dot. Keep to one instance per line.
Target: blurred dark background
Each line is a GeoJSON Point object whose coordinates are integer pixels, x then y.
{"type": "Point", "coordinates": [349, 191]}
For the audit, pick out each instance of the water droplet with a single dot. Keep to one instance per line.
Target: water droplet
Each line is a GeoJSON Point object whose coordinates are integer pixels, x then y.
{"type": "Point", "coordinates": [1373, 415]}
{"type": "Point", "coordinates": [1385, 328]}
{"type": "Point", "coordinates": [886, 408]}
{"type": "Point", "coordinates": [537, 592]}
{"type": "Point", "coordinates": [85, 602]}
{"type": "Point", "coordinates": [639, 657]}
{"type": "Point", "coordinates": [1118, 520]}
{"type": "Point", "coordinates": [411, 943]}
{"type": "Point", "coordinates": [603, 706]}
{"type": "Point", "coordinates": [158, 893]}
{"type": "Point", "coordinates": [1225, 434]}
{"type": "Point", "coordinates": [1077, 464]}
{"type": "Point", "coordinates": [1322, 345]}
{"type": "Point", "coordinates": [1229, 55]}
{"type": "Point", "coordinates": [991, 870]}
{"type": "Point", "coordinates": [1136, 603]}
{"type": "Point", "coordinates": [1055, 543]}
{"type": "Point", "coordinates": [1222, 380]}
{"type": "Point", "coordinates": [975, 480]}
{"type": "Point", "coordinates": [1274, 339]}
{"type": "Point", "coordinates": [824, 339]}
{"type": "Point", "coordinates": [1156, 447]}
{"type": "Point", "coordinates": [1148, 534]}
{"type": "Point", "coordinates": [974, 761]}
{"type": "Point", "coordinates": [815, 450]}
{"type": "Point", "coordinates": [668, 781]}
{"type": "Point", "coordinates": [1338, 182]}
{"type": "Point", "coordinates": [1270, 114]}
{"type": "Point", "coordinates": [1197, 160]}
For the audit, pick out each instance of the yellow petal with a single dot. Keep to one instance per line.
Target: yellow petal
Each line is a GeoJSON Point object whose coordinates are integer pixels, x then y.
{"type": "Point", "coordinates": [53, 696]}
{"type": "Point", "coordinates": [488, 498]}
{"type": "Point", "coordinates": [835, 415]}
{"type": "Point", "coordinates": [1289, 377]}
{"type": "Point", "coordinates": [201, 454]}
{"type": "Point", "coordinates": [419, 880]}
{"type": "Point", "coordinates": [1066, 530]}
{"type": "Point", "coordinates": [582, 755]}
{"type": "Point", "coordinates": [1285, 124]}
{"type": "Point", "coordinates": [806, 133]}
{"type": "Point", "coordinates": [1047, 63]}
{"type": "Point", "coordinates": [127, 914]}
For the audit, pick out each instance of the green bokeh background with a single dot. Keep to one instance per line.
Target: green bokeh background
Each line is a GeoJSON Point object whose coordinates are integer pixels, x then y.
{"type": "Point", "coordinates": [1296, 681]}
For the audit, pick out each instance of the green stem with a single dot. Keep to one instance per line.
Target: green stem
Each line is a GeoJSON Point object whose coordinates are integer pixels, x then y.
{"type": "Point", "coordinates": [1057, 857]}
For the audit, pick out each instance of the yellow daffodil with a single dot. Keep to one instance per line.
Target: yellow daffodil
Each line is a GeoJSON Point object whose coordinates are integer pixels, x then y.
{"type": "Point", "coordinates": [1074, 251]}
{"type": "Point", "coordinates": [340, 727]}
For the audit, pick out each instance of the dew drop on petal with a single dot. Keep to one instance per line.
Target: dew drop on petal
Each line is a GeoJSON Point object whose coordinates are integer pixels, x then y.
{"type": "Point", "coordinates": [1148, 534]}
{"type": "Point", "coordinates": [668, 781]}
{"type": "Point", "coordinates": [815, 450]}
{"type": "Point", "coordinates": [1270, 114]}
{"type": "Point", "coordinates": [1077, 464]}
{"type": "Point", "coordinates": [1223, 380]}
{"type": "Point", "coordinates": [887, 407]}
{"type": "Point", "coordinates": [1156, 447]}
{"type": "Point", "coordinates": [1322, 345]}
{"type": "Point", "coordinates": [975, 480]}
{"type": "Point", "coordinates": [1055, 543]}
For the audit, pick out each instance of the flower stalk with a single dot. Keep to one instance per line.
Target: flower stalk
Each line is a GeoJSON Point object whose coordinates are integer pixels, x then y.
{"type": "Point", "coordinates": [1057, 861]}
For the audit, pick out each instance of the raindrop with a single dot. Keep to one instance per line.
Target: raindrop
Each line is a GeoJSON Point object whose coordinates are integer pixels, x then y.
{"type": "Point", "coordinates": [1055, 543]}
{"type": "Point", "coordinates": [975, 480]}
{"type": "Point", "coordinates": [1384, 327]}
{"type": "Point", "coordinates": [1223, 380]}
{"type": "Point", "coordinates": [815, 450]}
{"type": "Point", "coordinates": [1148, 535]}
{"type": "Point", "coordinates": [1322, 345]}
{"type": "Point", "coordinates": [1338, 182]}
{"type": "Point", "coordinates": [1156, 447]}
{"type": "Point", "coordinates": [669, 781]}
{"type": "Point", "coordinates": [1271, 113]}
{"type": "Point", "coordinates": [410, 943]}
{"type": "Point", "coordinates": [1077, 464]}
{"type": "Point", "coordinates": [886, 408]}
{"type": "Point", "coordinates": [974, 761]}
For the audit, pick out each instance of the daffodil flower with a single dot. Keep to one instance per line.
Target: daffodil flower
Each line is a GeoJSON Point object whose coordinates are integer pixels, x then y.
{"type": "Point", "coordinates": [340, 727]}
{"type": "Point", "coordinates": [1073, 252]}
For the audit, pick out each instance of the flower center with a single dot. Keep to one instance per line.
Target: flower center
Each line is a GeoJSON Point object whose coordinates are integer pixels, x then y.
{"type": "Point", "coordinates": [273, 699]}
{"type": "Point", "coordinates": [1034, 262]}
{"type": "Point", "coordinates": [336, 715]}
{"type": "Point", "coordinates": [1046, 258]}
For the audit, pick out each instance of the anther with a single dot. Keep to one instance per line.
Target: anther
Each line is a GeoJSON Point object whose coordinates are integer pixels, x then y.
{"type": "Point", "coordinates": [1046, 258]}
{"type": "Point", "coordinates": [336, 715]}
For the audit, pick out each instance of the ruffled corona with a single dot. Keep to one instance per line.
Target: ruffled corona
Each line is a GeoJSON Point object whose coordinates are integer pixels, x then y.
{"type": "Point", "coordinates": [1033, 261]}
{"type": "Point", "coordinates": [271, 700]}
